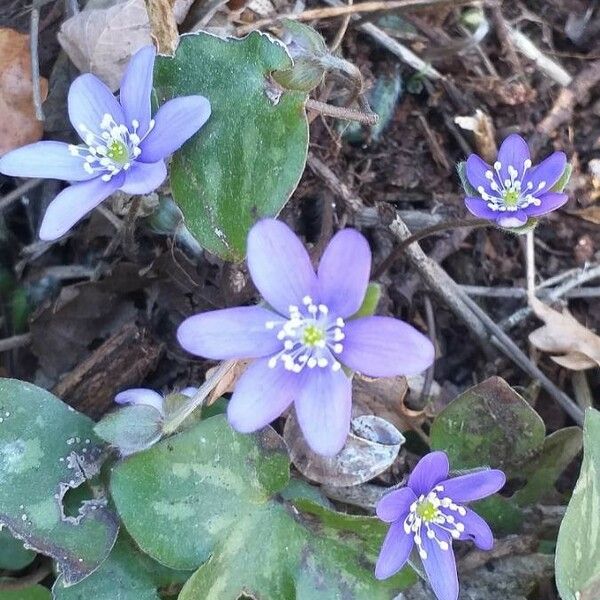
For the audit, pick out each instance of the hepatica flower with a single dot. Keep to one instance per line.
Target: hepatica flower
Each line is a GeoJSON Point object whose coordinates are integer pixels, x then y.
{"type": "Point", "coordinates": [304, 336]}
{"type": "Point", "coordinates": [123, 147]}
{"type": "Point", "coordinates": [147, 397]}
{"type": "Point", "coordinates": [512, 190]}
{"type": "Point", "coordinates": [430, 513]}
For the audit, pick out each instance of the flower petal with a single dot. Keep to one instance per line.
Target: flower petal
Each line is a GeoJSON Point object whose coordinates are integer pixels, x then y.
{"type": "Point", "coordinates": [279, 265]}
{"type": "Point", "coordinates": [385, 347]}
{"type": "Point", "coordinates": [476, 529]}
{"type": "Point", "coordinates": [395, 505]}
{"type": "Point", "coordinates": [323, 408]}
{"type": "Point", "coordinates": [136, 89]}
{"type": "Point", "coordinates": [394, 551]}
{"type": "Point", "coordinates": [261, 395]}
{"type": "Point", "coordinates": [48, 160]}
{"type": "Point", "coordinates": [343, 282]}
{"type": "Point", "coordinates": [516, 218]}
{"type": "Point", "coordinates": [189, 391]}
{"type": "Point", "coordinates": [141, 396]}
{"type": "Point", "coordinates": [480, 208]}
{"type": "Point", "coordinates": [440, 566]}
{"type": "Point", "coordinates": [474, 486]}
{"type": "Point", "coordinates": [143, 178]}
{"type": "Point", "coordinates": [430, 470]}
{"type": "Point", "coordinates": [513, 152]}
{"type": "Point", "coordinates": [548, 172]}
{"type": "Point", "coordinates": [475, 170]}
{"type": "Point", "coordinates": [550, 201]}
{"type": "Point", "coordinates": [230, 333]}
{"type": "Point", "coordinates": [174, 124]}
{"type": "Point", "coordinates": [73, 203]}
{"type": "Point", "coordinates": [89, 100]}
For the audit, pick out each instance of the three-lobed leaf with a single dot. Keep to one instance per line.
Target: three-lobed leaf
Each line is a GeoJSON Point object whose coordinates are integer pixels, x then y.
{"type": "Point", "coordinates": [248, 158]}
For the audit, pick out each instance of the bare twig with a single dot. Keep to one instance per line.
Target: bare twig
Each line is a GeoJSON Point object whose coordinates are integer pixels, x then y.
{"type": "Point", "coordinates": [340, 112]}
{"type": "Point", "coordinates": [35, 61]}
{"type": "Point", "coordinates": [339, 36]}
{"type": "Point", "coordinates": [503, 33]}
{"type": "Point", "coordinates": [7, 200]}
{"type": "Point", "coordinates": [504, 343]}
{"type": "Point", "coordinates": [16, 341]}
{"type": "Point", "coordinates": [39, 574]}
{"type": "Point", "coordinates": [512, 292]}
{"type": "Point", "coordinates": [338, 9]}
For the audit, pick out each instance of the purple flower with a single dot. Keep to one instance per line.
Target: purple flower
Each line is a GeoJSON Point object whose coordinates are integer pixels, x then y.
{"type": "Point", "coordinates": [149, 397]}
{"type": "Point", "coordinates": [512, 190]}
{"type": "Point", "coordinates": [430, 513]}
{"type": "Point", "coordinates": [305, 335]}
{"type": "Point", "coordinates": [123, 146]}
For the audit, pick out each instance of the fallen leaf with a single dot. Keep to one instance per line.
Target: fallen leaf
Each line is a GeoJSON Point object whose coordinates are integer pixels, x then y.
{"type": "Point", "coordinates": [102, 38]}
{"type": "Point", "coordinates": [18, 125]}
{"type": "Point", "coordinates": [591, 214]}
{"type": "Point", "coordinates": [572, 345]}
{"type": "Point", "coordinates": [227, 384]}
{"type": "Point", "coordinates": [484, 133]}
{"type": "Point", "coordinates": [372, 446]}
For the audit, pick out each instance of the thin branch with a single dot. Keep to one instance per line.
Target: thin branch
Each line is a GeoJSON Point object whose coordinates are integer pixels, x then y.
{"type": "Point", "coordinates": [340, 112]}
{"type": "Point", "coordinates": [7, 200]}
{"type": "Point", "coordinates": [35, 61]}
{"type": "Point", "coordinates": [16, 341]}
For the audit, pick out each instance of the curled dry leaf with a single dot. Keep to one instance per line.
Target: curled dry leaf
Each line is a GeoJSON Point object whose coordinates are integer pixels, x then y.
{"type": "Point", "coordinates": [227, 383]}
{"type": "Point", "coordinates": [372, 446]}
{"type": "Point", "coordinates": [102, 38]}
{"type": "Point", "coordinates": [18, 124]}
{"type": "Point", "coordinates": [572, 345]}
{"type": "Point", "coordinates": [484, 133]}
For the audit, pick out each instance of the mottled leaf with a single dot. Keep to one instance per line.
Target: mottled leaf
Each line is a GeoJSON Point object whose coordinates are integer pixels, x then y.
{"type": "Point", "coordinates": [247, 160]}
{"type": "Point", "coordinates": [578, 546]}
{"type": "Point", "coordinates": [489, 425]}
{"type": "Point", "coordinates": [46, 449]}
{"type": "Point", "coordinates": [211, 495]}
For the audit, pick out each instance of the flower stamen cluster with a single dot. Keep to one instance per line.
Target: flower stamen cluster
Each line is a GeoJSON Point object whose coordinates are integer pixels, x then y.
{"type": "Point", "coordinates": [311, 338]}
{"type": "Point", "coordinates": [429, 510]}
{"type": "Point", "coordinates": [510, 195]}
{"type": "Point", "coordinates": [111, 152]}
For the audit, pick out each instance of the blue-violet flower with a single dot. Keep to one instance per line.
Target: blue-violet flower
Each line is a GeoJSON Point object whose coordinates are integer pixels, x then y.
{"type": "Point", "coordinates": [512, 190]}
{"type": "Point", "coordinates": [430, 513]}
{"type": "Point", "coordinates": [123, 146]}
{"type": "Point", "coordinates": [305, 335]}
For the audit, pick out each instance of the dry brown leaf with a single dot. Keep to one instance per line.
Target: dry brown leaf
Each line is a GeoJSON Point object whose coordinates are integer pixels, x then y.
{"type": "Point", "coordinates": [574, 346]}
{"type": "Point", "coordinates": [102, 38]}
{"type": "Point", "coordinates": [18, 124]}
{"type": "Point", "coordinates": [591, 214]}
{"type": "Point", "coordinates": [227, 383]}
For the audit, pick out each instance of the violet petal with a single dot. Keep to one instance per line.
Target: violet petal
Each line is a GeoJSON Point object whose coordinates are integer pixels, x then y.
{"type": "Point", "coordinates": [141, 396]}
{"type": "Point", "coordinates": [230, 333]}
{"type": "Point", "coordinates": [89, 100]}
{"type": "Point", "coordinates": [395, 505]}
{"type": "Point", "coordinates": [261, 395]}
{"type": "Point", "coordinates": [513, 152]}
{"type": "Point", "coordinates": [174, 124]}
{"type": "Point", "coordinates": [475, 170]}
{"type": "Point", "coordinates": [136, 89]}
{"type": "Point", "coordinates": [548, 172]}
{"type": "Point", "coordinates": [476, 529]}
{"type": "Point", "coordinates": [344, 271]}
{"type": "Point", "coordinates": [279, 265]}
{"type": "Point", "coordinates": [473, 486]}
{"type": "Point", "coordinates": [47, 160]}
{"type": "Point", "coordinates": [549, 201]}
{"type": "Point", "coordinates": [394, 551]}
{"type": "Point", "coordinates": [480, 208]}
{"type": "Point", "coordinates": [516, 218]}
{"type": "Point", "coordinates": [440, 566]}
{"type": "Point", "coordinates": [73, 203]}
{"type": "Point", "coordinates": [385, 347]}
{"type": "Point", "coordinates": [430, 470]}
{"type": "Point", "coordinates": [323, 407]}
{"type": "Point", "coordinates": [143, 178]}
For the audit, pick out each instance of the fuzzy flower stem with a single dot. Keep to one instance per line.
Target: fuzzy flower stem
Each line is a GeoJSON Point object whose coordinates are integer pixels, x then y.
{"type": "Point", "coordinates": [445, 226]}
{"type": "Point", "coordinates": [197, 400]}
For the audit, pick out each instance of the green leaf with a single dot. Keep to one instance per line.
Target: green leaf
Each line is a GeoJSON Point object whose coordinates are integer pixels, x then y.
{"type": "Point", "coordinates": [461, 169]}
{"type": "Point", "coordinates": [131, 428]}
{"type": "Point", "coordinates": [561, 184]}
{"type": "Point", "coordinates": [47, 449]}
{"type": "Point", "coordinates": [34, 592]}
{"type": "Point", "coordinates": [211, 495]}
{"type": "Point", "coordinates": [13, 557]}
{"type": "Point", "coordinates": [132, 574]}
{"type": "Point", "coordinates": [247, 160]}
{"type": "Point", "coordinates": [501, 513]}
{"type": "Point", "coordinates": [370, 302]}
{"type": "Point", "coordinates": [578, 545]}
{"type": "Point", "coordinates": [560, 448]}
{"type": "Point", "coordinates": [489, 424]}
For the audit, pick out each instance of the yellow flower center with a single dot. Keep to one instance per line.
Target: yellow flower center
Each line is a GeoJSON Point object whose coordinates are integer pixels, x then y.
{"type": "Point", "coordinates": [312, 335]}
{"type": "Point", "coordinates": [118, 152]}
{"type": "Point", "coordinates": [426, 510]}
